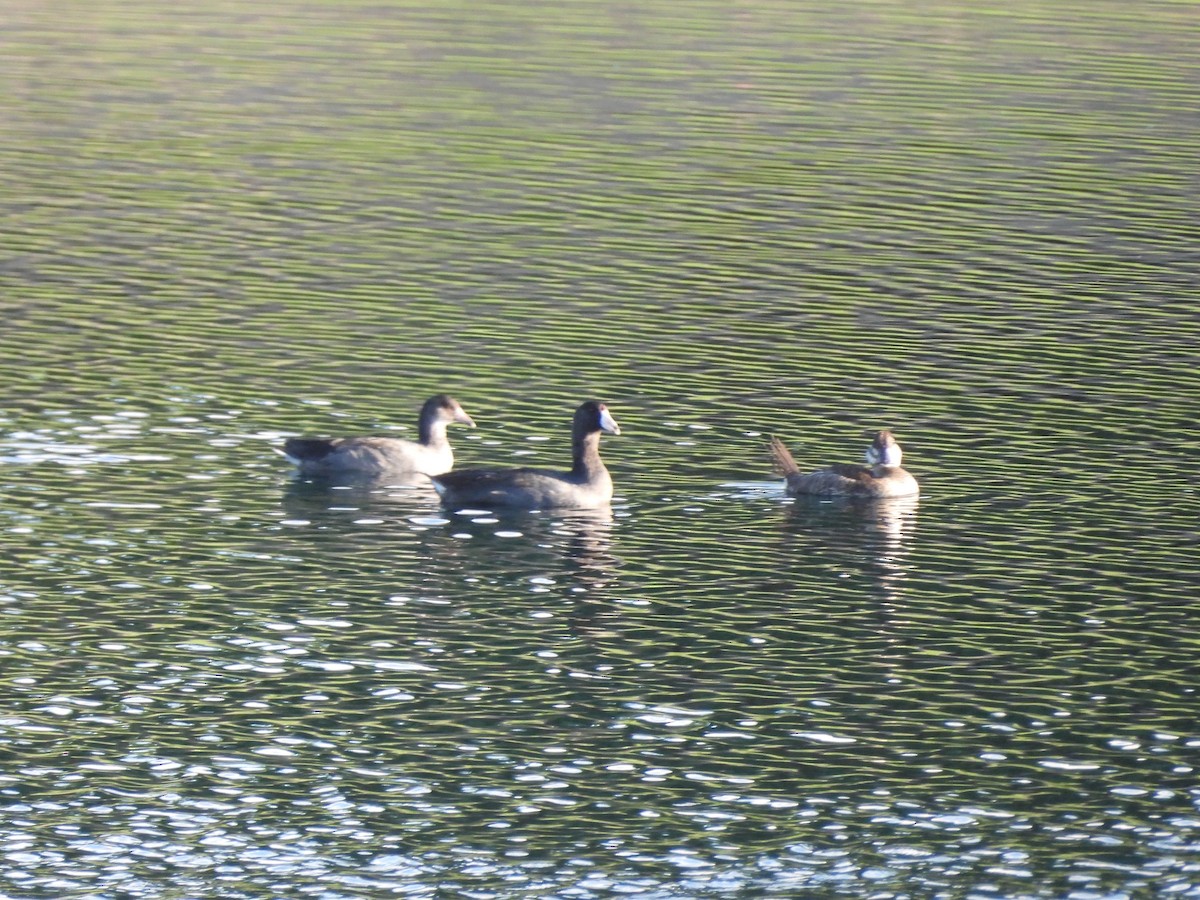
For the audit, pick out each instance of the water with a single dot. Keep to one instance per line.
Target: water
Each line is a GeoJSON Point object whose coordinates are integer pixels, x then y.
{"type": "Point", "coordinates": [225, 226]}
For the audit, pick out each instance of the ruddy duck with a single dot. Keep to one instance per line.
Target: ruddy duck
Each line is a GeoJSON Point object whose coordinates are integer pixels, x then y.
{"type": "Point", "coordinates": [881, 477]}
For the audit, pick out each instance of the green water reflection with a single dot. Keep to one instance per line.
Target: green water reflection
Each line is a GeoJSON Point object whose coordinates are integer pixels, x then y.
{"type": "Point", "coordinates": [226, 225]}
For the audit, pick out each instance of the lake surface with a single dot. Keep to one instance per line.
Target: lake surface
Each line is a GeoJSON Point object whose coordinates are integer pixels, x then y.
{"type": "Point", "coordinates": [973, 223]}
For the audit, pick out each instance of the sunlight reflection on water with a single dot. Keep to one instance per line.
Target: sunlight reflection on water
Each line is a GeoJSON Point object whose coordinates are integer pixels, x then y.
{"type": "Point", "coordinates": [727, 221]}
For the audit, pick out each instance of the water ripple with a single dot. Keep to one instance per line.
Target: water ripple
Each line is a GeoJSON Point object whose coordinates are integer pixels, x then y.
{"type": "Point", "coordinates": [975, 227]}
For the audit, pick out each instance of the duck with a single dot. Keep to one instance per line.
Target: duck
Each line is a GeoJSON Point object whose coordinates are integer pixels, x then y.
{"type": "Point", "coordinates": [880, 478]}
{"type": "Point", "coordinates": [587, 485]}
{"type": "Point", "coordinates": [430, 454]}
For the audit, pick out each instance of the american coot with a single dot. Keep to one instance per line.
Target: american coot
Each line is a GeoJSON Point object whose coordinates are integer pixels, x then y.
{"type": "Point", "coordinates": [586, 485]}
{"type": "Point", "coordinates": [429, 455]}
{"type": "Point", "coordinates": [881, 477]}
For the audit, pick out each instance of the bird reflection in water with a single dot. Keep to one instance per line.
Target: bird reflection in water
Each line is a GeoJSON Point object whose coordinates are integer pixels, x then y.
{"type": "Point", "coordinates": [570, 550]}
{"type": "Point", "coordinates": [590, 571]}
{"type": "Point", "coordinates": [871, 536]}
{"type": "Point", "coordinates": [326, 500]}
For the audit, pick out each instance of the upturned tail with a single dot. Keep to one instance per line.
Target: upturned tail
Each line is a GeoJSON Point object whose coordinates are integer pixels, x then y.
{"type": "Point", "coordinates": [782, 458]}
